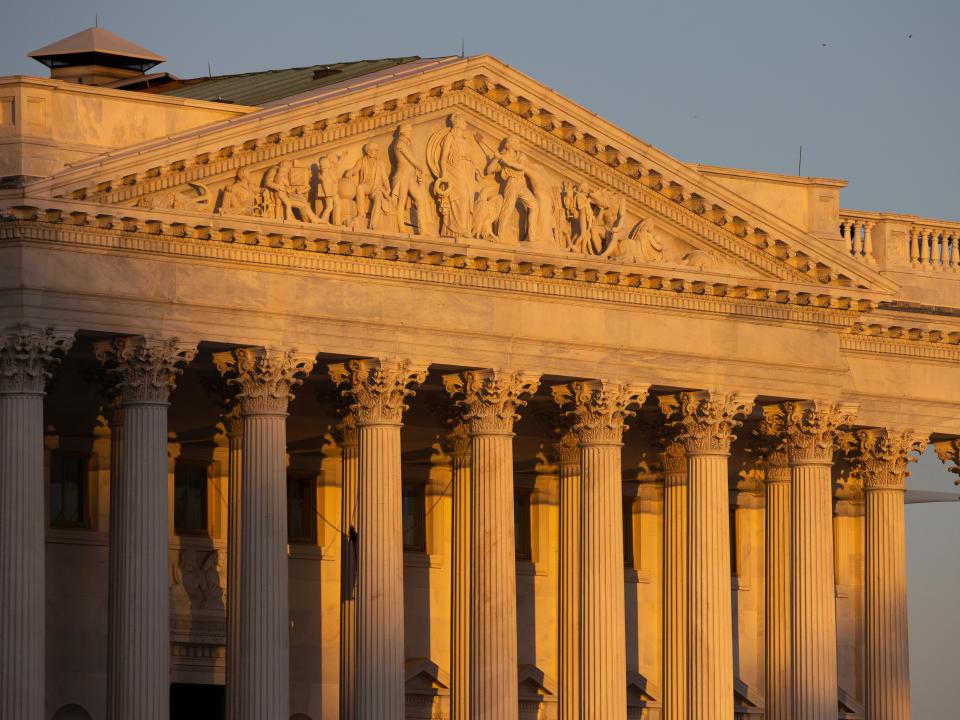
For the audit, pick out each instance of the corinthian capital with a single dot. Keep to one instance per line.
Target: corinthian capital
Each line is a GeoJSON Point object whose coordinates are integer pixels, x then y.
{"type": "Point", "coordinates": [949, 451]}
{"type": "Point", "coordinates": [378, 387]}
{"type": "Point", "coordinates": [704, 421]}
{"type": "Point", "coordinates": [263, 377]}
{"type": "Point", "coordinates": [769, 444]}
{"type": "Point", "coordinates": [811, 428]}
{"type": "Point", "coordinates": [598, 409]}
{"type": "Point", "coordinates": [146, 368]}
{"type": "Point", "coordinates": [881, 456]}
{"type": "Point", "coordinates": [489, 399]}
{"type": "Point", "coordinates": [567, 449]}
{"type": "Point", "coordinates": [27, 356]}
{"type": "Point", "coordinates": [458, 440]}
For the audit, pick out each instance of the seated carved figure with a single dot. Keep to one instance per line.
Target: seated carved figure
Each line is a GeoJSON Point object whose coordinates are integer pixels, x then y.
{"type": "Point", "coordinates": [373, 186]}
{"type": "Point", "coordinates": [243, 196]}
{"type": "Point", "coordinates": [286, 193]}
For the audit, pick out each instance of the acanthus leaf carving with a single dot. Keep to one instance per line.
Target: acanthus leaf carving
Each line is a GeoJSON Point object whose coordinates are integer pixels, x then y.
{"type": "Point", "coordinates": [880, 456]}
{"type": "Point", "coordinates": [489, 399]}
{"type": "Point", "coordinates": [812, 429]}
{"type": "Point", "coordinates": [145, 368]}
{"type": "Point", "coordinates": [27, 356]}
{"type": "Point", "coordinates": [264, 377]}
{"type": "Point", "coordinates": [949, 452]}
{"type": "Point", "coordinates": [704, 421]}
{"type": "Point", "coordinates": [378, 387]}
{"type": "Point", "coordinates": [598, 409]}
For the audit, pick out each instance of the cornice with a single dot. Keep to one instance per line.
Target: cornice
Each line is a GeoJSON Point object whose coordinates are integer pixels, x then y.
{"type": "Point", "coordinates": [914, 342]}
{"type": "Point", "coordinates": [447, 261]}
{"type": "Point", "coordinates": [580, 138]}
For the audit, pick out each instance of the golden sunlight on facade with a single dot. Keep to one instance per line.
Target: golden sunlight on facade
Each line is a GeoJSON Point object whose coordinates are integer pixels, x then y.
{"type": "Point", "coordinates": [408, 389]}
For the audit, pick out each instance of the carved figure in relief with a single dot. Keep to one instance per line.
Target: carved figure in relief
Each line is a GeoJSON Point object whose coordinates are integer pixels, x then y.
{"type": "Point", "coordinates": [372, 177]}
{"type": "Point", "coordinates": [328, 186]}
{"type": "Point", "coordinates": [486, 210]}
{"type": "Point", "coordinates": [195, 580]}
{"type": "Point", "coordinates": [243, 196]}
{"type": "Point", "coordinates": [287, 193]}
{"type": "Point", "coordinates": [639, 245]}
{"type": "Point", "coordinates": [513, 168]}
{"type": "Point", "coordinates": [452, 156]}
{"type": "Point", "coordinates": [176, 200]}
{"type": "Point", "coordinates": [408, 186]}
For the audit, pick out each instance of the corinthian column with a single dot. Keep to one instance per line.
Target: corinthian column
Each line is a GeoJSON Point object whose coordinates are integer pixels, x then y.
{"type": "Point", "coordinates": [459, 440]}
{"type": "Point", "coordinates": [704, 423]}
{"type": "Point", "coordinates": [674, 462]}
{"type": "Point", "coordinates": [568, 454]}
{"type": "Point", "coordinates": [138, 614]}
{"type": "Point", "coordinates": [378, 389]}
{"type": "Point", "coordinates": [348, 568]}
{"type": "Point", "coordinates": [597, 410]}
{"type": "Point", "coordinates": [777, 658]}
{"type": "Point", "coordinates": [810, 428]}
{"type": "Point", "coordinates": [26, 357]}
{"type": "Point", "coordinates": [263, 378]}
{"type": "Point", "coordinates": [882, 459]}
{"type": "Point", "coordinates": [233, 422]}
{"type": "Point", "coordinates": [489, 400]}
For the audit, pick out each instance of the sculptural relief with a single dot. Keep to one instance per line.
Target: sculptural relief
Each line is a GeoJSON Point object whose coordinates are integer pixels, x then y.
{"type": "Point", "coordinates": [177, 200]}
{"type": "Point", "coordinates": [287, 192]}
{"type": "Point", "coordinates": [195, 580]}
{"type": "Point", "coordinates": [413, 206]}
{"type": "Point", "coordinates": [456, 161]}
{"type": "Point", "coordinates": [243, 196]}
{"type": "Point", "coordinates": [371, 178]}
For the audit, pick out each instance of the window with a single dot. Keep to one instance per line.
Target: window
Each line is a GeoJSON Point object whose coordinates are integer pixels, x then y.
{"type": "Point", "coordinates": [414, 519]}
{"type": "Point", "coordinates": [521, 524]}
{"type": "Point", "coordinates": [190, 497]}
{"type": "Point", "coordinates": [628, 532]}
{"type": "Point", "coordinates": [734, 552]}
{"type": "Point", "coordinates": [301, 507]}
{"type": "Point", "coordinates": [68, 490]}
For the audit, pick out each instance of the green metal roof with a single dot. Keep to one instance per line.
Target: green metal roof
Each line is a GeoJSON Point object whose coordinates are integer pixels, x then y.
{"type": "Point", "coordinates": [258, 88]}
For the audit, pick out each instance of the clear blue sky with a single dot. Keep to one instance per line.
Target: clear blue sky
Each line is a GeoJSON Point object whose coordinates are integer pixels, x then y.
{"type": "Point", "coordinates": [868, 88]}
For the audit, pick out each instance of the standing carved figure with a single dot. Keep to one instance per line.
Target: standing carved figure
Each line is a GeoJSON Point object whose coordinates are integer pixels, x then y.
{"type": "Point", "coordinates": [242, 196]}
{"type": "Point", "coordinates": [453, 159]}
{"type": "Point", "coordinates": [408, 185]}
{"type": "Point", "coordinates": [287, 191]}
{"type": "Point", "coordinates": [328, 182]}
{"type": "Point", "coordinates": [515, 169]}
{"type": "Point", "coordinates": [372, 177]}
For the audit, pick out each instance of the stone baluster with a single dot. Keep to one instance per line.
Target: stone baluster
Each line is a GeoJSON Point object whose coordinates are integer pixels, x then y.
{"type": "Point", "coordinates": [868, 243]}
{"type": "Point", "coordinates": [597, 411]}
{"type": "Point", "coordinates": [778, 631]}
{"type": "Point", "coordinates": [914, 247]}
{"type": "Point", "coordinates": [489, 400]}
{"type": "Point", "coordinates": [459, 441]}
{"type": "Point", "coordinates": [233, 423]}
{"type": "Point", "coordinates": [27, 356]}
{"type": "Point", "coordinates": [845, 226]}
{"type": "Point", "coordinates": [377, 389]}
{"type": "Point", "coordinates": [138, 616]}
{"type": "Point", "coordinates": [349, 471]}
{"type": "Point", "coordinates": [810, 431]}
{"type": "Point", "coordinates": [704, 423]}
{"type": "Point", "coordinates": [930, 241]}
{"type": "Point", "coordinates": [674, 462]}
{"type": "Point", "coordinates": [568, 455]}
{"type": "Point", "coordinates": [882, 457]}
{"type": "Point", "coordinates": [954, 255]}
{"type": "Point", "coordinates": [264, 378]}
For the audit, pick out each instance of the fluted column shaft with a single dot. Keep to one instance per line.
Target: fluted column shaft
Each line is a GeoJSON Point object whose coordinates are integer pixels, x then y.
{"type": "Point", "coordinates": [234, 426]}
{"type": "Point", "coordinates": [348, 570]}
{"type": "Point", "coordinates": [460, 591]}
{"type": "Point", "coordinates": [887, 659]}
{"type": "Point", "coordinates": [264, 378]}
{"type": "Point", "coordinates": [603, 663]}
{"type": "Point", "coordinates": [488, 400]}
{"type": "Point", "coordinates": [378, 388]}
{"type": "Point", "coordinates": [675, 584]}
{"type": "Point", "coordinates": [138, 647]}
{"type": "Point", "coordinates": [777, 588]}
{"type": "Point", "coordinates": [704, 423]}
{"type": "Point", "coordinates": [810, 429]}
{"type": "Point", "coordinates": [569, 610]}
{"type": "Point", "coordinates": [882, 459]}
{"type": "Point", "coordinates": [26, 357]}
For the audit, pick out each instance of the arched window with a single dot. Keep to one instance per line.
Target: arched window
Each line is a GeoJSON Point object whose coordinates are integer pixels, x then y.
{"type": "Point", "coordinates": [71, 712]}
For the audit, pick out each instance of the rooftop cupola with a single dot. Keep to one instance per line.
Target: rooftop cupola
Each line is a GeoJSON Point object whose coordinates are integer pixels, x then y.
{"type": "Point", "coordinates": [95, 56]}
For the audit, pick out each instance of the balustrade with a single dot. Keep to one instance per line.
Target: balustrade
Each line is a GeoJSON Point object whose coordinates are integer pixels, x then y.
{"type": "Point", "coordinates": [931, 245]}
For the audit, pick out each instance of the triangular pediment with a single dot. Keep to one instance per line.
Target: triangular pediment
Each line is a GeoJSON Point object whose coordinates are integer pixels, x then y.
{"type": "Point", "coordinates": [470, 149]}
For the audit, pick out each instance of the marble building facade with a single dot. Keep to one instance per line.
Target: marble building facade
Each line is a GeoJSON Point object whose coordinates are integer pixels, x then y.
{"type": "Point", "coordinates": [427, 393]}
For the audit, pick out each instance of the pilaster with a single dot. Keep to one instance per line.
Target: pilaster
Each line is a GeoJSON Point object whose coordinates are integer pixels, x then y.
{"type": "Point", "coordinates": [488, 400]}
{"type": "Point", "coordinates": [810, 429]}
{"type": "Point", "coordinates": [704, 423]}
{"type": "Point", "coordinates": [138, 615]}
{"type": "Point", "coordinates": [27, 357]}
{"type": "Point", "coordinates": [263, 378]}
{"type": "Point", "coordinates": [377, 389]}
{"type": "Point", "coordinates": [597, 411]}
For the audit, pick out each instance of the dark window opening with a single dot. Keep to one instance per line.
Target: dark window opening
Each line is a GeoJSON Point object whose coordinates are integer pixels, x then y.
{"type": "Point", "coordinates": [68, 490]}
{"type": "Point", "coordinates": [190, 498]}
{"type": "Point", "coordinates": [734, 554]}
{"type": "Point", "coordinates": [521, 524]}
{"type": "Point", "coordinates": [628, 533]}
{"type": "Point", "coordinates": [414, 518]}
{"type": "Point", "coordinates": [302, 508]}
{"type": "Point", "coordinates": [197, 702]}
